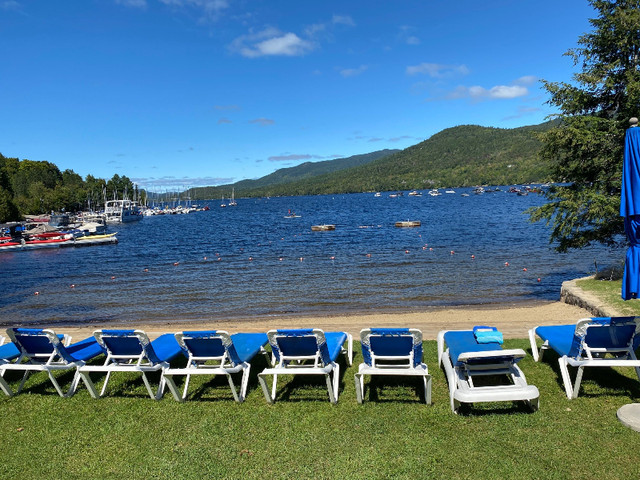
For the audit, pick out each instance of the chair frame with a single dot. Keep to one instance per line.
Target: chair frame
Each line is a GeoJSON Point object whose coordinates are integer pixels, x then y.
{"type": "Point", "coordinates": [40, 362]}
{"type": "Point", "coordinates": [588, 356]}
{"type": "Point", "coordinates": [224, 365]}
{"type": "Point", "coordinates": [403, 365]}
{"type": "Point", "coordinates": [299, 364]}
{"type": "Point", "coordinates": [140, 363]}
{"type": "Point", "coordinates": [490, 363]}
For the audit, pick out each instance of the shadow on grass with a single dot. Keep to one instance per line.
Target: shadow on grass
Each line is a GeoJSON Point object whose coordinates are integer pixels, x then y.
{"type": "Point", "coordinates": [384, 389]}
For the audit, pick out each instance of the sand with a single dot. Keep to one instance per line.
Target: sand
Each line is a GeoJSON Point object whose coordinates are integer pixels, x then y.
{"type": "Point", "coordinates": [513, 320]}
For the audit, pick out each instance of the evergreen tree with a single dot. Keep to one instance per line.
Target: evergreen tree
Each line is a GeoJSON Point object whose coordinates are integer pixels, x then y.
{"type": "Point", "coordinates": [586, 148]}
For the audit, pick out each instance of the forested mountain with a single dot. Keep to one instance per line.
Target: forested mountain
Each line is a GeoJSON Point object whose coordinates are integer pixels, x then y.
{"type": "Point", "coordinates": [459, 156]}
{"type": "Point", "coordinates": [288, 175]}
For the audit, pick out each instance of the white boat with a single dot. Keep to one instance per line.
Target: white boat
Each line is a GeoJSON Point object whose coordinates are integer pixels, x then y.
{"type": "Point", "coordinates": [415, 193]}
{"type": "Point", "coordinates": [450, 191]}
{"type": "Point", "coordinates": [377, 194]}
{"type": "Point", "coordinates": [435, 192]}
{"type": "Point", "coordinates": [232, 202]}
{"type": "Point", "coordinates": [122, 211]}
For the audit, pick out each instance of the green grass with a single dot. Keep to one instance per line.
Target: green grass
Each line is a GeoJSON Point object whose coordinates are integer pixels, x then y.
{"type": "Point", "coordinates": [608, 291]}
{"type": "Point", "coordinates": [393, 435]}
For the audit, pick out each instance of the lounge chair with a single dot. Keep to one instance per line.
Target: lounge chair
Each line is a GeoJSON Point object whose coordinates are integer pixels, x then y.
{"type": "Point", "coordinates": [41, 350]}
{"type": "Point", "coordinates": [587, 344]}
{"type": "Point", "coordinates": [392, 351]}
{"type": "Point", "coordinates": [131, 351]}
{"type": "Point", "coordinates": [226, 354]}
{"type": "Point", "coordinates": [467, 357]}
{"type": "Point", "coordinates": [306, 352]}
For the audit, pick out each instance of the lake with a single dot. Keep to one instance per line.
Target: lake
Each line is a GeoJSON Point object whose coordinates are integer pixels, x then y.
{"type": "Point", "coordinates": [248, 261]}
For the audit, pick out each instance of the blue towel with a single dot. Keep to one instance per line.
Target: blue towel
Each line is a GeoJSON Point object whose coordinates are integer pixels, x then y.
{"type": "Point", "coordinates": [487, 335]}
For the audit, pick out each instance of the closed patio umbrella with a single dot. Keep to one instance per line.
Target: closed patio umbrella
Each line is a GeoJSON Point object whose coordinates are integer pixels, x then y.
{"type": "Point", "coordinates": [630, 210]}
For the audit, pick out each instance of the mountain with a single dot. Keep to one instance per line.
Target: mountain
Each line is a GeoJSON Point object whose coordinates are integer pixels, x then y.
{"type": "Point", "coordinates": [304, 171]}
{"type": "Point", "coordinates": [459, 156]}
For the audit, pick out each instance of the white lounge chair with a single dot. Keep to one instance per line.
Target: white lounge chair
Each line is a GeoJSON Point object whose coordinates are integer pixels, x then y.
{"type": "Point", "coordinates": [42, 350]}
{"type": "Point", "coordinates": [131, 351]}
{"type": "Point", "coordinates": [465, 358]}
{"type": "Point", "coordinates": [306, 352]}
{"type": "Point", "coordinates": [216, 353]}
{"type": "Point", "coordinates": [592, 342]}
{"type": "Point", "coordinates": [393, 352]}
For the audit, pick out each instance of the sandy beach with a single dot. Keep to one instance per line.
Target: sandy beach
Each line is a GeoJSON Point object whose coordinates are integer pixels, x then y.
{"type": "Point", "coordinates": [513, 320]}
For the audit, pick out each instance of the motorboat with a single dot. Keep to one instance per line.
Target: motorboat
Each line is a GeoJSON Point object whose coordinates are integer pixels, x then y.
{"type": "Point", "coordinates": [122, 211]}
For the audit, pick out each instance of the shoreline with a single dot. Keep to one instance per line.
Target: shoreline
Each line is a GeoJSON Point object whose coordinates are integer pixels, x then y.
{"type": "Point", "coordinates": [513, 320]}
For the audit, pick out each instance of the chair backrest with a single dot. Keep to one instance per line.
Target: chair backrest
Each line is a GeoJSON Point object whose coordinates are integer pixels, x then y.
{"type": "Point", "coordinates": [394, 347]}
{"type": "Point", "coordinates": [299, 344]}
{"type": "Point", "coordinates": [125, 345]}
{"type": "Point", "coordinates": [208, 345]}
{"type": "Point", "coordinates": [605, 335]}
{"type": "Point", "coordinates": [39, 344]}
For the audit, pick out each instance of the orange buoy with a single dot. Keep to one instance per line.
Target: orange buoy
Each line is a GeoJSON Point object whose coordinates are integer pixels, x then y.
{"type": "Point", "coordinates": [524, 269]}
{"type": "Point", "coordinates": [175, 264]}
{"type": "Point", "coordinates": [113, 278]}
{"type": "Point", "coordinates": [301, 258]}
{"type": "Point", "coordinates": [452, 252]}
{"type": "Point", "coordinates": [539, 279]}
{"type": "Point", "coordinates": [205, 258]}
{"type": "Point", "coordinates": [472, 257]}
{"type": "Point", "coordinates": [219, 258]}
{"type": "Point", "coordinates": [406, 251]}
{"type": "Point", "coordinates": [333, 258]}
{"type": "Point", "coordinates": [72, 286]}
{"type": "Point", "coordinates": [146, 269]}
{"type": "Point", "coordinates": [506, 264]}
{"type": "Point", "coordinates": [368, 255]}
{"type": "Point", "coordinates": [36, 293]}
{"type": "Point", "coordinates": [251, 259]}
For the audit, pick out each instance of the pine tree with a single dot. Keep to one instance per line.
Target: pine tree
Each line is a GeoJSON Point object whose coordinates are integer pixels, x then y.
{"type": "Point", "coordinates": [586, 148]}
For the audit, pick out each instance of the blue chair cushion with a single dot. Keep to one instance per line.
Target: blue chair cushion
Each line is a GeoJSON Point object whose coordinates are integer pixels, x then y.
{"type": "Point", "coordinates": [248, 344]}
{"type": "Point", "coordinates": [460, 342]}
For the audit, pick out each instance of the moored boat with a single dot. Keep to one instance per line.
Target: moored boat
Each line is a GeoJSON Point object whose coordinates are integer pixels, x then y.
{"type": "Point", "coordinates": [408, 223]}
{"type": "Point", "coordinates": [322, 228]}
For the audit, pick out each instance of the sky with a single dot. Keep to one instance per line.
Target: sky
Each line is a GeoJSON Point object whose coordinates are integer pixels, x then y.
{"type": "Point", "coordinates": [186, 93]}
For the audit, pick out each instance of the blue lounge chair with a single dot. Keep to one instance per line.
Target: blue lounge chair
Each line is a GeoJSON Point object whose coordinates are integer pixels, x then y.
{"type": "Point", "coordinates": [392, 351]}
{"type": "Point", "coordinates": [592, 342]}
{"type": "Point", "coordinates": [41, 350]}
{"type": "Point", "coordinates": [306, 352]}
{"type": "Point", "coordinates": [464, 356]}
{"type": "Point", "coordinates": [131, 351]}
{"type": "Point", "coordinates": [216, 353]}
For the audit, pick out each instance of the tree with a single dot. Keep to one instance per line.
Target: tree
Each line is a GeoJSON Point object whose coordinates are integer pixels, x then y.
{"type": "Point", "coordinates": [586, 147]}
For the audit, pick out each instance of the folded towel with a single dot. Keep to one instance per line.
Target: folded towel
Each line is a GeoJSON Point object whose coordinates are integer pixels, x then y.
{"type": "Point", "coordinates": [487, 335]}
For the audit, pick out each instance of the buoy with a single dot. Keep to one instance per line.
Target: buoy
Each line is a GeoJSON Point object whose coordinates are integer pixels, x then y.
{"type": "Point", "coordinates": [113, 278]}
{"type": "Point", "coordinates": [280, 259]}
{"type": "Point", "coordinates": [538, 278]}
{"type": "Point", "coordinates": [251, 259]}
{"type": "Point", "coordinates": [217, 254]}
{"type": "Point", "coordinates": [146, 269]}
{"type": "Point", "coordinates": [175, 264]}
{"type": "Point", "coordinates": [424, 248]}
{"type": "Point", "coordinates": [301, 258]}
{"type": "Point", "coordinates": [406, 251]}
{"type": "Point", "coordinates": [72, 286]}
{"type": "Point", "coordinates": [472, 257]}
{"type": "Point", "coordinates": [205, 258]}
{"type": "Point", "coordinates": [333, 258]}
{"type": "Point", "coordinates": [36, 293]}
{"type": "Point", "coordinates": [524, 269]}
{"type": "Point", "coordinates": [506, 264]}
{"type": "Point", "coordinates": [368, 255]}
{"type": "Point", "coordinates": [430, 249]}
{"type": "Point", "coordinates": [219, 258]}
{"type": "Point", "coordinates": [452, 252]}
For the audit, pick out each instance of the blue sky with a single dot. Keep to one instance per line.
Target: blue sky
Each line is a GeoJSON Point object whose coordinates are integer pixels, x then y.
{"type": "Point", "coordinates": [182, 93]}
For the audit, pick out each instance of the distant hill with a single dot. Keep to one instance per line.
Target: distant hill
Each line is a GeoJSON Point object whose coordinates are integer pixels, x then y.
{"type": "Point", "coordinates": [460, 156]}
{"type": "Point", "coordinates": [304, 171]}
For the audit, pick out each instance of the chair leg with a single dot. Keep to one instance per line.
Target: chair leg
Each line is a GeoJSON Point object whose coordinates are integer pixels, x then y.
{"type": "Point", "coordinates": [186, 386]}
{"type": "Point", "coordinates": [427, 389]}
{"type": "Point", "coordinates": [173, 388]}
{"type": "Point", "coordinates": [245, 382]}
{"type": "Point", "coordinates": [566, 378]}
{"type": "Point", "coordinates": [576, 387]}
{"type": "Point", "coordinates": [233, 388]}
{"type": "Point", "coordinates": [90, 385]}
{"type": "Point", "coordinates": [5, 387]}
{"type": "Point", "coordinates": [265, 389]}
{"type": "Point", "coordinates": [332, 397]}
{"type": "Point", "coordinates": [26, 375]}
{"type": "Point", "coordinates": [104, 386]}
{"type": "Point", "coordinates": [359, 388]}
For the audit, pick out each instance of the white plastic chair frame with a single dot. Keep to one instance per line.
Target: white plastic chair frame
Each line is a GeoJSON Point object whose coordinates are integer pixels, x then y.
{"type": "Point", "coordinates": [197, 366]}
{"type": "Point", "coordinates": [124, 363]}
{"type": "Point", "coordinates": [460, 377]}
{"type": "Point", "coordinates": [49, 362]}
{"type": "Point", "coordinates": [294, 365]}
{"type": "Point", "coordinates": [402, 365]}
{"type": "Point", "coordinates": [593, 357]}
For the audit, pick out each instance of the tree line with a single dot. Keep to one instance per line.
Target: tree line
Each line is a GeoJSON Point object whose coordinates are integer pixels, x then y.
{"type": "Point", "coordinates": [29, 187]}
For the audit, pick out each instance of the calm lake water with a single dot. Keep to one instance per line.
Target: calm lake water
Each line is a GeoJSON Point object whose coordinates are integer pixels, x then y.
{"type": "Point", "coordinates": [249, 260]}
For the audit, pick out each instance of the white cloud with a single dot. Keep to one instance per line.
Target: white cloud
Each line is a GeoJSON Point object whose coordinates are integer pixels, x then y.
{"type": "Point", "coordinates": [290, 157]}
{"type": "Point", "coordinates": [224, 120]}
{"type": "Point", "coordinates": [437, 70]}
{"type": "Point", "coordinates": [270, 42]}
{"type": "Point", "coordinates": [132, 3]}
{"type": "Point", "coordinates": [526, 80]}
{"type": "Point", "coordinates": [151, 183]}
{"type": "Point", "coordinates": [343, 20]}
{"type": "Point", "coordinates": [227, 107]}
{"type": "Point", "coordinates": [498, 92]}
{"type": "Point", "coordinates": [211, 9]}
{"type": "Point", "coordinates": [352, 72]}
{"type": "Point", "coordinates": [9, 5]}
{"type": "Point", "coordinates": [412, 40]}
{"type": "Point", "coordinates": [263, 122]}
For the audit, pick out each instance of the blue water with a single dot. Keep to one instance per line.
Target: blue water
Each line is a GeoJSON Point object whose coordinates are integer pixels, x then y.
{"type": "Point", "coordinates": [247, 261]}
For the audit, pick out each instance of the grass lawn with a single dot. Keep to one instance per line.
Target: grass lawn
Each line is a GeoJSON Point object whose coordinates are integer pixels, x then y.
{"type": "Point", "coordinates": [393, 435]}
{"type": "Point", "coordinates": [609, 292]}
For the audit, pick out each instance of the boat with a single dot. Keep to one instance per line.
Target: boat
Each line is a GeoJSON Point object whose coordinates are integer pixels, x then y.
{"type": "Point", "coordinates": [435, 192]}
{"type": "Point", "coordinates": [122, 211]}
{"type": "Point", "coordinates": [322, 228]}
{"type": "Point", "coordinates": [478, 190]}
{"type": "Point", "coordinates": [408, 223]}
{"type": "Point", "coordinates": [464, 194]}
{"type": "Point", "coordinates": [451, 190]}
{"type": "Point", "coordinates": [378, 194]}
{"type": "Point", "coordinates": [232, 202]}
{"type": "Point", "coordinates": [223, 205]}
{"type": "Point", "coordinates": [415, 193]}
{"type": "Point", "coordinates": [292, 215]}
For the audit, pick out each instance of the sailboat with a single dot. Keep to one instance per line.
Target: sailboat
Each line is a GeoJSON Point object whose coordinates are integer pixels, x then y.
{"type": "Point", "coordinates": [232, 202]}
{"type": "Point", "coordinates": [223, 204]}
